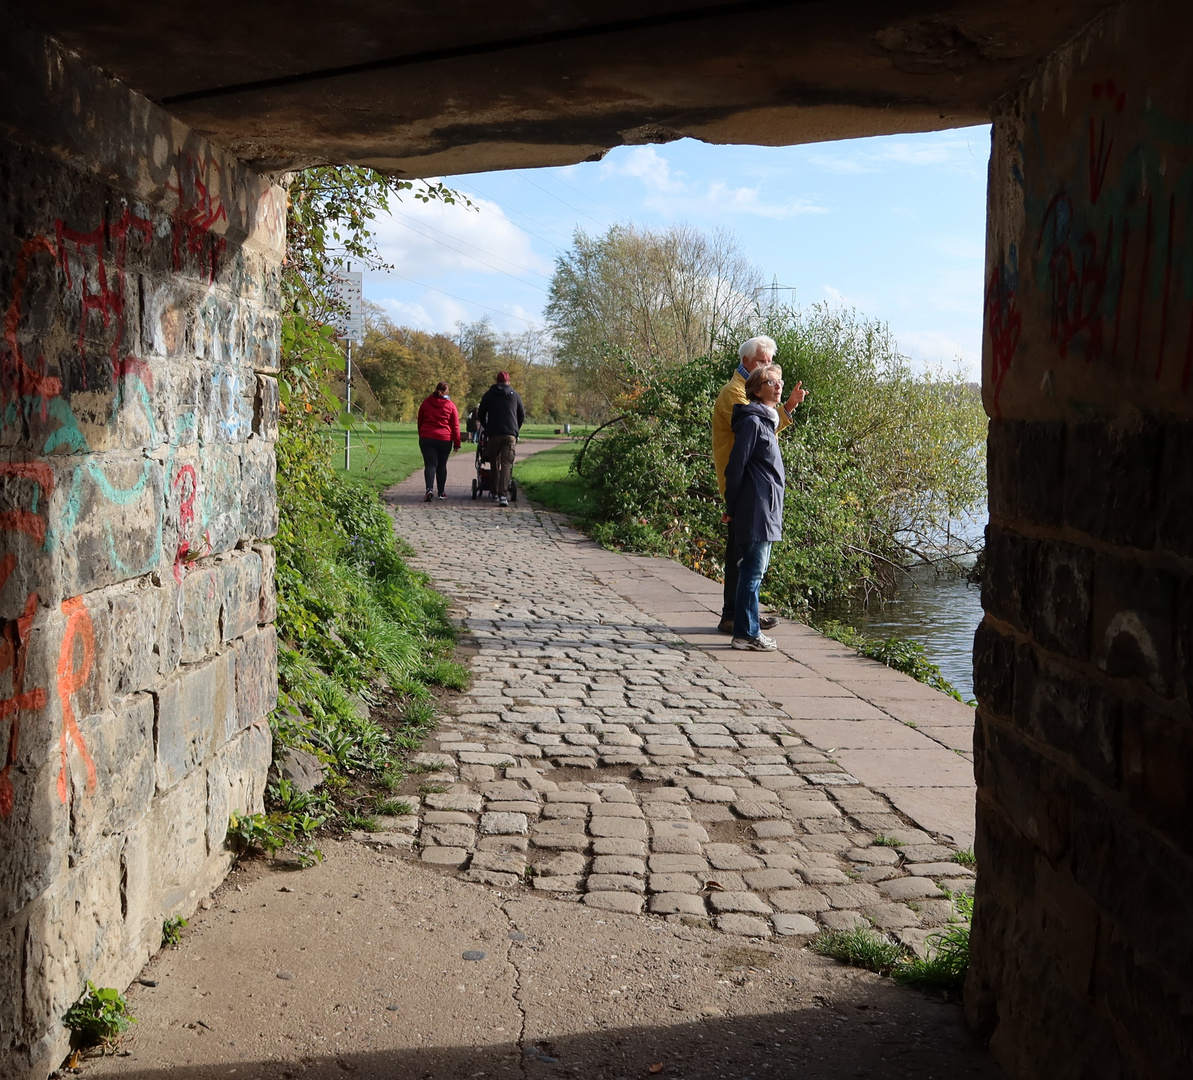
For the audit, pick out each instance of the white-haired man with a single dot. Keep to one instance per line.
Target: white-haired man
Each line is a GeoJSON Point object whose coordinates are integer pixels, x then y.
{"type": "Point", "coordinates": [752, 353]}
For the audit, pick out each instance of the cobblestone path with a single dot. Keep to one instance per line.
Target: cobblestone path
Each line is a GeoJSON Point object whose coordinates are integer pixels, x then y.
{"type": "Point", "coordinates": [599, 758]}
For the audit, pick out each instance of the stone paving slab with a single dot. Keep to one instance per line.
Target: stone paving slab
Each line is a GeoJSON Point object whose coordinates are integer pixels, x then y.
{"type": "Point", "coordinates": [598, 756]}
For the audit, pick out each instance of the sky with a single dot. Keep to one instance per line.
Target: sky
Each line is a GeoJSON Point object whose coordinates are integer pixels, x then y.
{"type": "Point", "coordinates": [893, 226]}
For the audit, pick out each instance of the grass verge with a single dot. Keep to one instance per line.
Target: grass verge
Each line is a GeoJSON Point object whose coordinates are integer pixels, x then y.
{"type": "Point", "coordinates": [546, 478]}
{"type": "Point", "coordinates": [364, 645]}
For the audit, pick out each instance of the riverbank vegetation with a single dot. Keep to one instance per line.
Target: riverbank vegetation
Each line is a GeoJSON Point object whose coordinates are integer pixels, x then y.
{"type": "Point", "coordinates": [880, 460]}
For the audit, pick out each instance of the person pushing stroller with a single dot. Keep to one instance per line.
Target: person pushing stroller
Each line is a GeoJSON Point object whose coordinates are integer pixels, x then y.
{"type": "Point", "coordinates": [501, 414]}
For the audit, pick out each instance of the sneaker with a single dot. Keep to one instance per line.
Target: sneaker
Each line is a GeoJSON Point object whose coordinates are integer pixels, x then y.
{"type": "Point", "coordinates": [761, 643]}
{"type": "Point", "coordinates": [768, 622]}
{"type": "Point", "coordinates": [429, 495]}
{"type": "Point", "coordinates": [442, 496]}
{"type": "Point", "coordinates": [725, 626]}
{"type": "Point", "coordinates": [503, 501]}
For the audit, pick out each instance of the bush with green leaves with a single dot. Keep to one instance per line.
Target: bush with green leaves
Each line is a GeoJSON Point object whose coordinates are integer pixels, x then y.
{"type": "Point", "coordinates": [901, 654]}
{"type": "Point", "coordinates": [881, 458]}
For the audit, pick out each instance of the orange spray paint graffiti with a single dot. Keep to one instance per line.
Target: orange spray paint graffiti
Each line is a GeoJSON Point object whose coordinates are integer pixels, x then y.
{"type": "Point", "coordinates": [71, 679]}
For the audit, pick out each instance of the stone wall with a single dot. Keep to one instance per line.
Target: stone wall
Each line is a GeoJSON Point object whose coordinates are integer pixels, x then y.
{"type": "Point", "coordinates": [139, 283]}
{"type": "Point", "coordinates": [1082, 957]}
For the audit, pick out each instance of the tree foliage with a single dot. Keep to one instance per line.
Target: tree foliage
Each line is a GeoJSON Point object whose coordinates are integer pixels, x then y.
{"type": "Point", "coordinates": [665, 295]}
{"type": "Point", "coordinates": [880, 459]}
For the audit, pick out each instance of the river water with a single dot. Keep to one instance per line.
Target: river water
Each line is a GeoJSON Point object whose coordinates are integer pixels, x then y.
{"type": "Point", "coordinates": [941, 611]}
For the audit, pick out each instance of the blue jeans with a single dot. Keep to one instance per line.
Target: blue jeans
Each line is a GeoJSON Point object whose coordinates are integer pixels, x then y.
{"type": "Point", "coordinates": [753, 557]}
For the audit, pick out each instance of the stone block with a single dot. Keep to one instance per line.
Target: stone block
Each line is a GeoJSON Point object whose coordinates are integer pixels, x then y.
{"type": "Point", "coordinates": [1026, 470]}
{"type": "Point", "coordinates": [134, 611]}
{"type": "Point", "coordinates": [843, 920]}
{"type": "Point", "coordinates": [256, 674]}
{"type": "Point", "coordinates": [241, 599]}
{"type": "Point", "coordinates": [994, 669]}
{"type": "Point", "coordinates": [453, 836]}
{"type": "Point", "coordinates": [615, 883]}
{"type": "Point", "coordinates": [448, 817]}
{"type": "Point", "coordinates": [202, 601]}
{"type": "Point", "coordinates": [465, 801]}
{"type": "Point", "coordinates": [1060, 615]}
{"type": "Point", "coordinates": [799, 900]}
{"type": "Point", "coordinates": [791, 925]}
{"type": "Point", "coordinates": [677, 903]}
{"type": "Point", "coordinates": [743, 925]}
{"type": "Point", "coordinates": [618, 864]}
{"type": "Point", "coordinates": [445, 856]}
{"type": "Point", "coordinates": [669, 864]}
{"type": "Point", "coordinates": [619, 845]}
{"type": "Point", "coordinates": [504, 862]}
{"type": "Point", "coordinates": [1111, 468]}
{"type": "Point", "coordinates": [906, 888]}
{"type": "Point", "coordinates": [1174, 491]}
{"type": "Point", "coordinates": [1074, 716]}
{"type": "Point", "coordinates": [626, 903]}
{"type": "Point", "coordinates": [1008, 583]}
{"type": "Point", "coordinates": [504, 824]}
{"type": "Point", "coordinates": [731, 857]}
{"type": "Point", "coordinates": [106, 521]}
{"type": "Point", "coordinates": [623, 828]}
{"type": "Point", "coordinates": [674, 883]}
{"type": "Point", "coordinates": [177, 864]}
{"type": "Point", "coordinates": [196, 713]}
{"type": "Point", "coordinates": [236, 780]}
{"type": "Point", "coordinates": [266, 405]}
{"type": "Point", "coordinates": [771, 878]}
{"type": "Point", "coordinates": [892, 916]}
{"type": "Point", "coordinates": [1135, 622]}
{"type": "Point", "coordinates": [738, 901]}
{"type": "Point", "coordinates": [267, 610]}
{"type": "Point", "coordinates": [119, 743]}
{"type": "Point", "coordinates": [685, 830]}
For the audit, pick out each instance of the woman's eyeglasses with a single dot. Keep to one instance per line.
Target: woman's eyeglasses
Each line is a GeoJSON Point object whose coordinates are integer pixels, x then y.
{"type": "Point", "coordinates": [774, 382]}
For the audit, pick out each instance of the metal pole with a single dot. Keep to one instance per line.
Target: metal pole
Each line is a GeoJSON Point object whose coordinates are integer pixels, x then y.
{"type": "Point", "coordinates": [348, 410]}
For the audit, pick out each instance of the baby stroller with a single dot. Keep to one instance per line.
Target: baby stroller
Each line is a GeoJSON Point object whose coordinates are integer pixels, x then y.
{"type": "Point", "coordinates": [486, 475]}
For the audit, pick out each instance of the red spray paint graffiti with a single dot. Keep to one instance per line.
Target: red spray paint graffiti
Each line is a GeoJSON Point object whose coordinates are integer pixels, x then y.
{"type": "Point", "coordinates": [186, 514]}
{"type": "Point", "coordinates": [196, 217]}
{"type": "Point", "coordinates": [71, 679]}
{"type": "Point", "coordinates": [1004, 324]}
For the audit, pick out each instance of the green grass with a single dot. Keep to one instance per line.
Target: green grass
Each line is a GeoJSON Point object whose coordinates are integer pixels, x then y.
{"type": "Point", "coordinates": [860, 947]}
{"type": "Point", "coordinates": [545, 479]}
{"type": "Point", "coordinates": [965, 857]}
{"type": "Point", "coordinates": [384, 456]}
{"type": "Point", "coordinates": [389, 454]}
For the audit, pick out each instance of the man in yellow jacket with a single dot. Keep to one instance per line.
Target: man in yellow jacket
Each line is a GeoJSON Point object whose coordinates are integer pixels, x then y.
{"type": "Point", "coordinates": [753, 353]}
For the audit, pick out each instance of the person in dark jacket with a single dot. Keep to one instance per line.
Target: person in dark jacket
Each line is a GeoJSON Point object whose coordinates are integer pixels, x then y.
{"type": "Point", "coordinates": [438, 432]}
{"type": "Point", "coordinates": [754, 481]}
{"type": "Point", "coordinates": [501, 414]}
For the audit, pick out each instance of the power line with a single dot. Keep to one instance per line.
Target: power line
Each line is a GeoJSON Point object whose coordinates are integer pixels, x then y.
{"type": "Point", "coordinates": [523, 214]}
{"type": "Point", "coordinates": [476, 248]}
{"type": "Point", "coordinates": [564, 201]}
{"type": "Point", "coordinates": [463, 300]}
{"type": "Point", "coordinates": [596, 202]}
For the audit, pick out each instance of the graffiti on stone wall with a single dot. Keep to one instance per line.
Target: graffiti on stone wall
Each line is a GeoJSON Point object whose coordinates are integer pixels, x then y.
{"type": "Point", "coordinates": [88, 267]}
{"type": "Point", "coordinates": [1110, 253]}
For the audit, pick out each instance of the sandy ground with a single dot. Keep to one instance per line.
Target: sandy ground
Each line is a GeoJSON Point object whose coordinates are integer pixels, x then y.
{"type": "Point", "coordinates": [358, 967]}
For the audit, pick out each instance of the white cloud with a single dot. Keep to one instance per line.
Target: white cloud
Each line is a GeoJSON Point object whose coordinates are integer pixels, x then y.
{"type": "Point", "coordinates": [958, 153]}
{"type": "Point", "coordinates": [429, 240]}
{"type": "Point", "coordinates": [671, 194]}
{"type": "Point", "coordinates": [646, 164]}
{"type": "Point", "coordinates": [433, 312]}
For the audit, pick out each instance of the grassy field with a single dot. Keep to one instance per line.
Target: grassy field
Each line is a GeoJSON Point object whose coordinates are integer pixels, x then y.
{"type": "Point", "coordinates": [545, 479]}
{"type": "Point", "coordinates": [390, 453]}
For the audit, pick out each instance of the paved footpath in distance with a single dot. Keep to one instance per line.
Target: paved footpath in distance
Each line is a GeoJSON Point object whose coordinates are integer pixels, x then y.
{"type": "Point", "coordinates": [614, 743]}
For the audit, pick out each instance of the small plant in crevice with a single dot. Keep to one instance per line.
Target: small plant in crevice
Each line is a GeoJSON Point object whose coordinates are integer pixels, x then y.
{"type": "Point", "coordinates": [391, 807]}
{"type": "Point", "coordinates": [172, 930]}
{"type": "Point", "coordinates": [942, 971]}
{"type": "Point", "coordinates": [965, 857]}
{"type": "Point", "coordinates": [883, 841]}
{"type": "Point", "coordinates": [270, 834]}
{"type": "Point", "coordinates": [99, 1018]}
{"type": "Point", "coordinates": [860, 947]}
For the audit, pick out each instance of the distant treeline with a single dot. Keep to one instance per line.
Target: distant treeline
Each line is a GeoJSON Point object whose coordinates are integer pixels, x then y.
{"type": "Point", "coordinates": [398, 366]}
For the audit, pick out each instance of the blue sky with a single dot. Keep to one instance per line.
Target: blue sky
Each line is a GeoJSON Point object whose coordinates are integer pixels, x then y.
{"type": "Point", "coordinates": [894, 226]}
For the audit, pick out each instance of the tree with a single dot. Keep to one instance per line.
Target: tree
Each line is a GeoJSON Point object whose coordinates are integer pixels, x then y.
{"type": "Point", "coordinates": [402, 365]}
{"type": "Point", "coordinates": [666, 296]}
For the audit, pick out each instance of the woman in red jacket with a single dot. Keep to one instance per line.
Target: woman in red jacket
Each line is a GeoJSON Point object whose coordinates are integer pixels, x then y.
{"type": "Point", "coordinates": [438, 433]}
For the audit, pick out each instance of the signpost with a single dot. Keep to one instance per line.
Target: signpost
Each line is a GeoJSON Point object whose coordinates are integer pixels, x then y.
{"type": "Point", "coordinates": [350, 325]}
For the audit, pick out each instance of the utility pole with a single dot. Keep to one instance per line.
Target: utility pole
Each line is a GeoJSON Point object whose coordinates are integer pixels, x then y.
{"type": "Point", "coordinates": [348, 408]}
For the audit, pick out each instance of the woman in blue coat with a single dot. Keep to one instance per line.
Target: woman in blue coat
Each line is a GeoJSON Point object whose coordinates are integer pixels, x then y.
{"type": "Point", "coordinates": [754, 481]}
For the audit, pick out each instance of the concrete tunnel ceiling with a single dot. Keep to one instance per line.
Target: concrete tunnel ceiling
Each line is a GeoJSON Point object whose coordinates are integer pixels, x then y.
{"type": "Point", "coordinates": [420, 89]}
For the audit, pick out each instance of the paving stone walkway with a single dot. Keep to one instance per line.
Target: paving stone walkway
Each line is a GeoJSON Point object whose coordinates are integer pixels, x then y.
{"type": "Point", "coordinates": [601, 757]}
